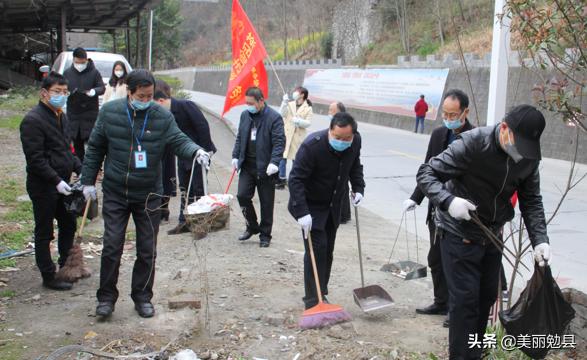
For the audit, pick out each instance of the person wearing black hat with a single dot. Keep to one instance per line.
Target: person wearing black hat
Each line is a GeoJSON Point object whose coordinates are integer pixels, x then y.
{"type": "Point", "coordinates": [479, 173]}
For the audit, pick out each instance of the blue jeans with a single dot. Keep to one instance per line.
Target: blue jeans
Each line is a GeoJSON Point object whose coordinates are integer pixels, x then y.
{"type": "Point", "coordinates": [419, 120]}
{"type": "Point", "coordinates": [283, 169]}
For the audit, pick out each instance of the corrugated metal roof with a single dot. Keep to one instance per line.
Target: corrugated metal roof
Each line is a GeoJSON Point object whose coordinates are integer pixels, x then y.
{"type": "Point", "coordinates": [19, 16]}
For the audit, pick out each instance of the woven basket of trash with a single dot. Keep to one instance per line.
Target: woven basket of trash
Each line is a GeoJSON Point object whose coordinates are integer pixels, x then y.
{"type": "Point", "coordinates": [210, 213]}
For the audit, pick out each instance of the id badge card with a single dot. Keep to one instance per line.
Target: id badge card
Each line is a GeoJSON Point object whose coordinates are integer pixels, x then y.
{"type": "Point", "coordinates": [140, 159]}
{"type": "Point", "coordinates": [254, 134]}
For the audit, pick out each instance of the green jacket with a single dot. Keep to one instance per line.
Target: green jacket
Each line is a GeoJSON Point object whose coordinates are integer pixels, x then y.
{"type": "Point", "coordinates": [113, 139]}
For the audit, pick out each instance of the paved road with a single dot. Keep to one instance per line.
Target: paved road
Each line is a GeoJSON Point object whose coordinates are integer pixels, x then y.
{"type": "Point", "coordinates": [391, 158]}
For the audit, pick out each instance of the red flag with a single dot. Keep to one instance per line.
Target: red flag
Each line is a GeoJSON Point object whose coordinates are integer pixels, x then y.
{"type": "Point", "coordinates": [248, 53]}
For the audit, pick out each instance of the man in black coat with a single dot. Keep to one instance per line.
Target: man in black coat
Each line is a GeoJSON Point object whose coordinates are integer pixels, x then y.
{"type": "Point", "coordinates": [257, 151]}
{"type": "Point", "coordinates": [85, 86]}
{"type": "Point", "coordinates": [193, 123]}
{"type": "Point", "coordinates": [50, 164]}
{"type": "Point", "coordinates": [318, 185]}
{"type": "Point", "coordinates": [455, 109]}
{"type": "Point", "coordinates": [476, 178]}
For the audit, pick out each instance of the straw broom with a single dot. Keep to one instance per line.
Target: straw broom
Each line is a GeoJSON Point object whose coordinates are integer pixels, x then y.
{"type": "Point", "coordinates": [322, 314]}
{"type": "Point", "coordinates": [74, 268]}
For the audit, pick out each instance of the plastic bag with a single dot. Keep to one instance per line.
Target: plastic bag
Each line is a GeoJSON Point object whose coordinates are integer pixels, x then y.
{"type": "Point", "coordinates": [76, 203]}
{"type": "Point", "coordinates": [540, 310]}
{"type": "Point", "coordinates": [207, 203]}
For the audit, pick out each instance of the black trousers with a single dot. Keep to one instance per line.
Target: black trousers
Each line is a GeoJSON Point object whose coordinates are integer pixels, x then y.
{"type": "Point", "coordinates": [45, 209]}
{"type": "Point", "coordinates": [323, 245]}
{"type": "Point", "coordinates": [196, 191]}
{"type": "Point", "coordinates": [345, 212]}
{"type": "Point", "coordinates": [79, 146]}
{"type": "Point", "coordinates": [247, 183]}
{"type": "Point", "coordinates": [472, 275]}
{"type": "Point", "coordinates": [116, 212]}
{"type": "Point", "coordinates": [435, 264]}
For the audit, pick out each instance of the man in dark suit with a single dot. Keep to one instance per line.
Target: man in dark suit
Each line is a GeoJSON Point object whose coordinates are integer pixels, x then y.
{"type": "Point", "coordinates": [191, 122]}
{"type": "Point", "coordinates": [318, 185]}
{"type": "Point", "coordinates": [257, 152]}
{"type": "Point", "coordinates": [455, 109]}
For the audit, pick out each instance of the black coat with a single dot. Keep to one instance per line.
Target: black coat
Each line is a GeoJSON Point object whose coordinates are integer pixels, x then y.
{"type": "Point", "coordinates": [318, 179]}
{"type": "Point", "coordinates": [270, 138]}
{"type": "Point", "coordinates": [82, 109]}
{"type": "Point", "coordinates": [46, 147]}
{"type": "Point", "coordinates": [437, 144]}
{"type": "Point", "coordinates": [193, 123]}
{"type": "Point", "coordinates": [476, 168]}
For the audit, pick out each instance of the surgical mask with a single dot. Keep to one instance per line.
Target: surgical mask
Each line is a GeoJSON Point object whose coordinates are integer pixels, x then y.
{"type": "Point", "coordinates": [295, 96]}
{"type": "Point", "coordinates": [452, 124]}
{"type": "Point", "coordinates": [140, 105]}
{"type": "Point", "coordinates": [340, 145]}
{"type": "Point", "coordinates": [119, 74]}
{"type": "Point", "coordinates": [57, 101]}
{"type": "Point", "coordinates": [512, 150]}
{"type": "Point", "coordinates": [252, 109]}
{"type": "Point", "coordinates": [80, 67]}
{"type": "Point", "coordinates": [330, 117]}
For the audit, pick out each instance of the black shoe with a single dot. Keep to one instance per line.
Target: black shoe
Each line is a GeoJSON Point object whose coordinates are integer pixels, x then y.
{"type": "Point", "coordinates": [344, 221]}
{"type": "Point", "coordinates": [59, 285]}
{"type": "Point", "coordinates": [181, 228]}
{"type": "Point", "coordinates": [280, 185]}
{"type": "Point", "coordinates": [247, 235]}
{"type": "Point", "coordinates": [104, 308]}
{"type": "Point", "coordinates": [264, 243]}
{"type": "Point", "coordinates": [145, 309]}
{"type": "Point", "coordinates": [446, 322]}
{"type": "Point", "coordinates": [433, 309]}
{"type": "Point", "coordinates": [165, 215]}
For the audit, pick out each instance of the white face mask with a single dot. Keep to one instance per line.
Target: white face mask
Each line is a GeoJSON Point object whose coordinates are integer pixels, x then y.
{"type": "Point", "coordinates": [80, 67]}
{"type": "Point", "coordinates": [119, 73]}
{"type": "Point", "coordinates": [295, 96]}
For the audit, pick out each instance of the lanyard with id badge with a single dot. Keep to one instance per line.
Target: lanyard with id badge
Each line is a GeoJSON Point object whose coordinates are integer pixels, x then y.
{"type": "Point", "coordinates": [139, 155]}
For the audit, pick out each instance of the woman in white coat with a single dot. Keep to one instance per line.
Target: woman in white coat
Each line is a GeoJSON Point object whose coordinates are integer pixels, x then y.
{"type": "Point", "coordinates": [297, 117]}
{"type": "Point", "coordinates": [116, 87]}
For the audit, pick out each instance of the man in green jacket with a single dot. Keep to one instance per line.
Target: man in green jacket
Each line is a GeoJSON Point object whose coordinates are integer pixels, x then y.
{"type": "Point", "coordinates": [131, 135]}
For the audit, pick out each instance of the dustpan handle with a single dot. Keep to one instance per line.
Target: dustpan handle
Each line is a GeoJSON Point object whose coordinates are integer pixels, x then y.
{"type": "Point", "coordinates": [359, 246]}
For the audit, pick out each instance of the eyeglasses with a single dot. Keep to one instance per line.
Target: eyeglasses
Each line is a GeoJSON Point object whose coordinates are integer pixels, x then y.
{"type": "Point", "coordinates": [451, 116]}
{"type": "Point", "coordinates": [55, 92]}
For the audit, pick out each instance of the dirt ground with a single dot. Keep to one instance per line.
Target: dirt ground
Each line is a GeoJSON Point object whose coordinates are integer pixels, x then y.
{"type": "Point", "coordinates": [251, 297]}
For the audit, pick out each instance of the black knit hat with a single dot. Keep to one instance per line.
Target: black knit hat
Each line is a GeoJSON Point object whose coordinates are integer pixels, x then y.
{"type": "Point", "coordinates": [527, 123]}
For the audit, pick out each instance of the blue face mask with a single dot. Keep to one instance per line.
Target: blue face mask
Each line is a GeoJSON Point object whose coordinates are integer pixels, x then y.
{"type": "Point", "coordinates": [140, 105]}
{"type": "Point", "coordinates": [58, 101]}
{"type": "Point", "coordinates": [339, 145]}
{"type": "Point", "coordinates": [452, 124]}
{"type": "Point", "coordinates": [252, 109]}
{"type": "Point", "coordinates": [330, 117]}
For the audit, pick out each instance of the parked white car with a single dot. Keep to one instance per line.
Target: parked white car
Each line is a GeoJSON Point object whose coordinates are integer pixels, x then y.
{"type": "Point", "coordinates": [103, 61]}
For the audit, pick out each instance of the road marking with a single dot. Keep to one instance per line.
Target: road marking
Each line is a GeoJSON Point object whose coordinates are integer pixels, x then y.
{"type": "Point", "coordinates": [409, 156]}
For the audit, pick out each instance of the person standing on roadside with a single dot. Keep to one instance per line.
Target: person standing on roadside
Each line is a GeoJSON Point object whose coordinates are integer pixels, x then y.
{"type": "Point", "coordinates": [421, 108]}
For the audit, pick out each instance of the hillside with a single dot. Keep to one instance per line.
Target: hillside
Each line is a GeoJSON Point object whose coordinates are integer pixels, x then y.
{"type": "Point", "coordinates": [306, 26]}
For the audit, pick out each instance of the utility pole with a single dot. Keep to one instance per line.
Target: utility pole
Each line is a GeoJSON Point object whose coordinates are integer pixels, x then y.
{"type": "Point", "coordinates": [150, 42]}
{"type": "Point", "coordinates": [498, 78]}
{"type": "Point", "coordinates": [284, 31]}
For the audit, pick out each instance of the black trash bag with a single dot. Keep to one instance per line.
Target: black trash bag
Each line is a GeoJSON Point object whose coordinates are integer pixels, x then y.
{"type": "Point", "coordinates": [76, 203]}
{"type": "Point", "coordinates": [540, 310]}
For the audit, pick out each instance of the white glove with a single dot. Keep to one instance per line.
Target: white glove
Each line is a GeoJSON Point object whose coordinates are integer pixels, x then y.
{"type": "Point", "coordinates": [91, 93]}
{"type": "Point", "coordinates": [306, 224]}
{"type": "Point", "coordinates": [409, 205]}
{"type": "Point", "coordinates": [542, 254]}
{"type": "Point", "coordinates": [297, 121]}
{"type": "Point", "coordinates": [63, 188]}
{"type": "Point", "coordinates": [357, 198]}
{"type": "Point", "coordinates": [235, 164]}
{"type": "Point", "coordinates": [89, 192]}
{"type": "Point", "coordinates": [285, 99]}
{"type": "Point", "coordinates": [203, 158]}
{"type": "Point", "coordinates": [459, 209]}
{"type": "Point", "coordinates": [272, 169]}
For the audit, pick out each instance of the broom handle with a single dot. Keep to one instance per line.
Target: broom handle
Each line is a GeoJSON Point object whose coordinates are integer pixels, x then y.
{"type": "Point", "coordinates": [81, 227]}
{"type": "Point", "coordinates": [230, 181]}
{"type": "Point", "coordinates": [204, 180]}
{"type": "Point", "coordinates": [314, 268]}
{"type": "Point", "coordinates": [359, 245]}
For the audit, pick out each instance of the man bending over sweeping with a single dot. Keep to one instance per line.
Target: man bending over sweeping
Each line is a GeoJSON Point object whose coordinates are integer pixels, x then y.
{"type": "Point", "coordinates": [131, 134]}
{"type": "Point", "coordinates": [324, 164]}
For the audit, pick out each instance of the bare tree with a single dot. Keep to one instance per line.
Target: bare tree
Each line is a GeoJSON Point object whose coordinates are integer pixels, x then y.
{"type": "Point", "coordinates": [439, 20]}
